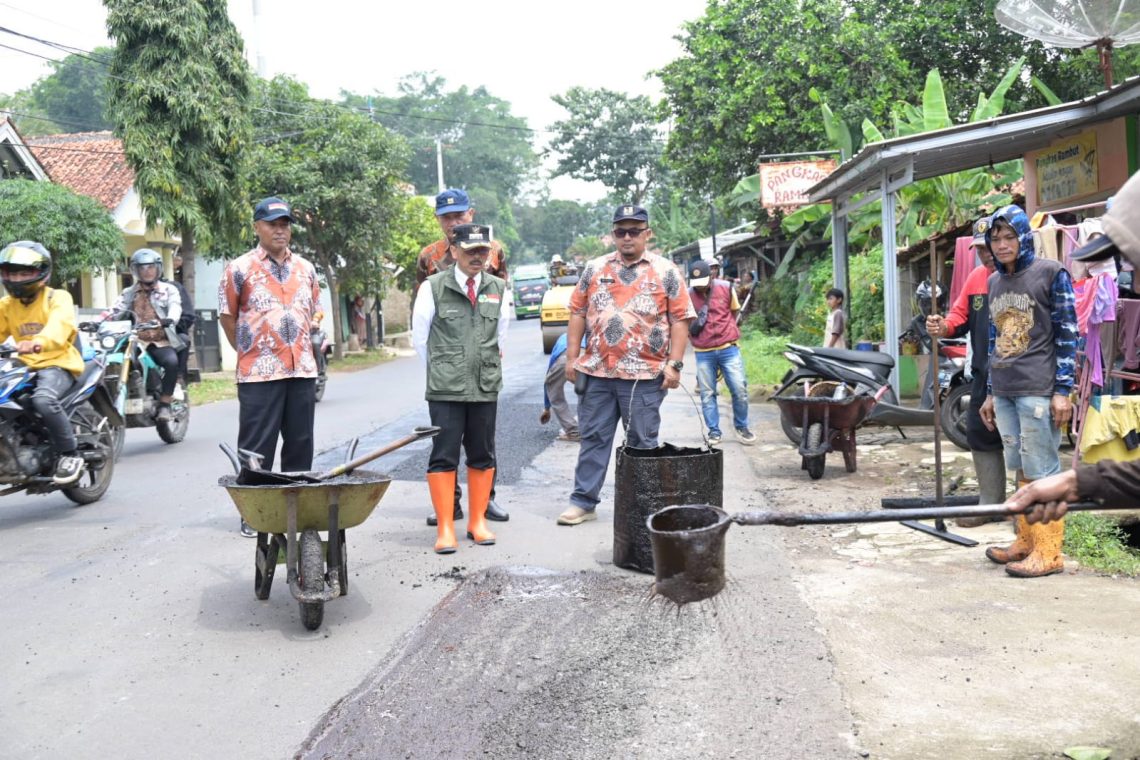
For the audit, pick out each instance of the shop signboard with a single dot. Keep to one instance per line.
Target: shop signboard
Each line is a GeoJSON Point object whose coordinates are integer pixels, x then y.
{"type": "Point", "coordinates": [1067, 169]}
{"type": "Point", "coordinates": [785, 185]}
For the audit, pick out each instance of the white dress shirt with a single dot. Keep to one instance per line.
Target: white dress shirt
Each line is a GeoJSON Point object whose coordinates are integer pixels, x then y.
{"type": "Point", "coordinates": [423, 312]}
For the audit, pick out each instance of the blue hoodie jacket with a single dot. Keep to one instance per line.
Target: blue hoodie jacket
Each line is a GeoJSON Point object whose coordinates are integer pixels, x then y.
{"type": "Point", "coordinates": [1063, 308]}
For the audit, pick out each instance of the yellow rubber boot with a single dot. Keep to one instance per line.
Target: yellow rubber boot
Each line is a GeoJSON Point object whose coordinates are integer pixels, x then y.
{"type": "Point", "coordinates": [1021, 546]}
{"type": "Point", "coordinates": [479, 484]}
{"type": "Point", "coordinates": [1046, 557]}
{"type": "Point", "coordinates": [442, 488]}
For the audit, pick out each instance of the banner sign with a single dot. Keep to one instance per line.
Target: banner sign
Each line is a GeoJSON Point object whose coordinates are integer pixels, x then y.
{"type": "Point", "coordinates": [1067, 169]}
{"type": "Point", "coordinates": [785, 185]}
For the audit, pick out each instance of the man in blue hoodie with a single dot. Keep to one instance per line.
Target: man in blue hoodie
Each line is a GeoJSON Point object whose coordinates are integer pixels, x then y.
{"type": "Point", "coordinates": [1033, 344]}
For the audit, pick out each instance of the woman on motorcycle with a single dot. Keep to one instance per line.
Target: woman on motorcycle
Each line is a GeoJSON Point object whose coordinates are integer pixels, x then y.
{"type": "Point", "coordinates": [42, 322]}
{"type": "Point", "coordinates": [151, 299]}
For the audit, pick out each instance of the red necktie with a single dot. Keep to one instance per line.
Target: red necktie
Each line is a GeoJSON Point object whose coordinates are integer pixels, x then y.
{"type": "Point", "coordinates": [471, 289]}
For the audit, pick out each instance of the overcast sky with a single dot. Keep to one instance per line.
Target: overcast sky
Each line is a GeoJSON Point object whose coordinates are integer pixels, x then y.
{"type": "Point", "coordinates": [523, 52]}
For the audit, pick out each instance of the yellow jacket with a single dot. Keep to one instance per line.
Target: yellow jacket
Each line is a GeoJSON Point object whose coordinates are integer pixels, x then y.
{"type": "Point", "coordinates": [49, 320]}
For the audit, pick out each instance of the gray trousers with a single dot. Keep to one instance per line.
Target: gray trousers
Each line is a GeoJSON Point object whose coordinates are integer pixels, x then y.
{"type": "Point", "coordinates": [636, 404]}
{"type": "Point", "coordinates": [556, 392]}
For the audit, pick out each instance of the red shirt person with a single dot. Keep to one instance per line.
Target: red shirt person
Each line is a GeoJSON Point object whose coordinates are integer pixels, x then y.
{"type": "Point", "coordinates": [634, 310]}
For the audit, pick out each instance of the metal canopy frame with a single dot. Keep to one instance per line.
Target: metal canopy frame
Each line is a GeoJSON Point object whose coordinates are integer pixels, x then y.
{"type": "Point", "coordinates": [881, 169]}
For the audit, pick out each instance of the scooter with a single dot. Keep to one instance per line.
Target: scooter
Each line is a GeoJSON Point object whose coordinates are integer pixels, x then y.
{"type": "Point", "coordinates": [322, 350]}
{"type": "Point", "coordinates": [868, 372]}
{"type": "Point", "coordinates": [27, 457]}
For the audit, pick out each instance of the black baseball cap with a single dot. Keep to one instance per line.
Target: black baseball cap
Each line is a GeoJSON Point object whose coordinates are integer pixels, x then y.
{"type": "Point", "coordinates": [699, 273]}
{"type": "Point", "coordinates": [469, 236]}
{"type": "Point", "coordinates": [630, 212]}
{"type": "Point", "coordinates": [272, 208]}
{"type": "Point", "coordinates": [1121, 228]}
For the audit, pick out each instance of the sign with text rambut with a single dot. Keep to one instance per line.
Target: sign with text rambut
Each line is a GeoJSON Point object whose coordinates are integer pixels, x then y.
{"type": "Point", "coordinates": [1067, 169]}
{"type": "Point", "coordinates": [785, 185]}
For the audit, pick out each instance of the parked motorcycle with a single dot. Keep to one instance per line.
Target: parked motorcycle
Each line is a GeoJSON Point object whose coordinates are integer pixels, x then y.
{"type": "Point", "coordinates": [322, 350]}
{"type": "Point", "coordinates": [868, 372]}
{"type": "Point", "coordinates": [134, 381]}
{"type": "Point", "coordinates": [27, 458]}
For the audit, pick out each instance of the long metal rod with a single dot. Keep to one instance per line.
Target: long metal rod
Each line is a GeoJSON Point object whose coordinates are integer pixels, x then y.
{"type": "Point", "coordinates": [888, 515]}
{"type": "Point", "coordinates": [935, 385]}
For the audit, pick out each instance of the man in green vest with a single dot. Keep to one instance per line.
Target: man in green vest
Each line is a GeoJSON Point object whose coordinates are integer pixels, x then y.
{"type": "Point", "coordinates": [458, 320]}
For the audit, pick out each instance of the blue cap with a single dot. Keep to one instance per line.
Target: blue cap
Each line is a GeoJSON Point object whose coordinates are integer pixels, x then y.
{"type": "Point", "coordinates": [630, 212]}
{"type": "Point", "coordinates": [451, 201]}
{"type": "Point", "coordinates": [271, 208]}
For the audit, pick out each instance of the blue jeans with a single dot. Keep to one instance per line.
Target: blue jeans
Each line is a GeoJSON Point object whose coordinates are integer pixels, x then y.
{"type": "Point", "coordinates": [731, 365]}
{"type": "Point", "coordinates": [605, 402]}
{"type": "Point", "coordinates": [1028, 436]}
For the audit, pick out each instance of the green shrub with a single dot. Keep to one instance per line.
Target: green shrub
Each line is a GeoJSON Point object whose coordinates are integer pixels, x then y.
{"type": "Point", "coordinates": [764, 363]}
{"type": "Point", "coordinates": [1099, 544]}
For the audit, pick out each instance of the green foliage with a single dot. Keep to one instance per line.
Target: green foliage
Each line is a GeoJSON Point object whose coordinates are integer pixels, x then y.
{"type": "Point", "coordinates": [1088, 753]}
{"type": "Point", "coordinates": [764, 363]}
{"type": "Point", "coordinates": [412, 227]}
{"type": "Point", "coordinates": [611, 138]}
{"type": "Point", "coordinates": [1099, 544]}
{"type": "Point", "coordinates": [774, 305]}
{"type": "Point", "coordinates": [586, 248]}
{"type": "Point", "coordinates": [484, 145]}
{"type": "Point", "coordinates": [79, 232]}
{"type": "Point", "coordinates": [865, 299]}
{"type": "Point", "coordinates": [552, 226]}
{"type": "Point", "coordinates": [179, 97]}
{"type": "Point", "coordinates": [342, 173]}
{"type": "Point", "coordinates": [676, 222]}
{"type": "Point", "coordinates": [75, 93]}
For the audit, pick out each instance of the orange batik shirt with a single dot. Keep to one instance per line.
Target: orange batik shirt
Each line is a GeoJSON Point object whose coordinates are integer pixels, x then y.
{"type": "Point", "coordinates": [437, 257]}
{"type": "Point", "coordinates": [628, 311]}
{"type": "Point", "coordinates": [273, 306]}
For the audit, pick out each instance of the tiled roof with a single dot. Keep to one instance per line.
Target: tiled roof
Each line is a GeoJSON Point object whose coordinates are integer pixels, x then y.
{"type": "Point", "coordinates": [90, 163]}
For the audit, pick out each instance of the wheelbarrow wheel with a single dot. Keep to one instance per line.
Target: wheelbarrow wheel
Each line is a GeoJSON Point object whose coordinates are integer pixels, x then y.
{"type": "Point", "coordinates": [814, 464]}
{"type": "Point", "coordinates": [312, 578]}
{"type": "Point", "coordinates": [343, 565]}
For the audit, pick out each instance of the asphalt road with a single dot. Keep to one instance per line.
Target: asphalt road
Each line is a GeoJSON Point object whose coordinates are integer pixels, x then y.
{"type": "Point", "coordinates": [131, 627]}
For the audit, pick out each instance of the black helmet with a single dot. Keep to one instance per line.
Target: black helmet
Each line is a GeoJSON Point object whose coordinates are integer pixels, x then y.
{"type": "Point", "coordinates": [25, 255]}
{"type": "Point", "coordinates": [142, 257]}
{"type": "Point", "coordinates": [924, 294]}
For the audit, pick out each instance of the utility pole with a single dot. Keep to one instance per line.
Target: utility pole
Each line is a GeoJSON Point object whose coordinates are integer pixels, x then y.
{"type": "Point", "coordinates": [259, 40]}
{"type": "Point", "coordinates": [439, 164]}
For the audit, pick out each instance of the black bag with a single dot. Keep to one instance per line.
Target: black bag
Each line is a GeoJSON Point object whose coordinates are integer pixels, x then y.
{"type": "Point", "coordinates": [647, 481]}
{"type": "Point", "coordinates": [698, 324]}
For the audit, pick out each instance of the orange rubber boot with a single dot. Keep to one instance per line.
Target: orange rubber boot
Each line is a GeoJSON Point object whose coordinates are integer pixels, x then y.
{"type": "Point", "coordinates": [442, 488]}
{"type": "Point", "coordinates": [479, 484]}
{"type": "Point", "coordinates": [1046, 558]}
{"type": "Point", "coordinates": [1021, 546]}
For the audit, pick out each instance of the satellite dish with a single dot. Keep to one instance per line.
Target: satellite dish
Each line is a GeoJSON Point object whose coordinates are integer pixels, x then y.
{"type": "Point", "coordinates": [1104, 24]}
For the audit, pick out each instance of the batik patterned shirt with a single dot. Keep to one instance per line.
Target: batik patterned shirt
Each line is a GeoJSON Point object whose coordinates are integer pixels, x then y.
{"type": "Point", "coordinates": [273, 306]}
{"type": "Point", "coordinates": [628, 312]}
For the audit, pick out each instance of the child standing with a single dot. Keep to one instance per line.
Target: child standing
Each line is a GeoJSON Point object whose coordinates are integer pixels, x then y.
{"type": "Point", "coordinates": [834, 334]}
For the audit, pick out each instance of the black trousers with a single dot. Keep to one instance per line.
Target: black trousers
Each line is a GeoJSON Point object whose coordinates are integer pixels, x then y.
{"type": "Point", "coordinates": [51, 384]}
{"type": "Point", "coordinates": [466, 425]}
{"type": "Point", "coordinates": [275, 408]}
{"type": "Point", "coordinates": [167, 358]}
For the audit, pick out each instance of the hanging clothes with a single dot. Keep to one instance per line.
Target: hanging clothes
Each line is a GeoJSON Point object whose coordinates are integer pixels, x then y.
{"type": "Point", "coordinates": [965, 261]}
{"type": "Point", "coordinates": [1130, 332]}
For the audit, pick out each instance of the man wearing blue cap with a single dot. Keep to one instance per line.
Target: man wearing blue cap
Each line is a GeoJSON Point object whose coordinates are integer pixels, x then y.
{"type": "Point", "coordinates": [453, 207]}
{"type": "Point", "coordinates": [267, 300]}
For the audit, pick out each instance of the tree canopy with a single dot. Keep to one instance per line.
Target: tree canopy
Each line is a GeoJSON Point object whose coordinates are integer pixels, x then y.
{"type": "Point", "coordinates": [180, 95]}
{"type": "Point", "coordinates": [80, 234]}
{"type": "Point", "coordinates": [611, 138]}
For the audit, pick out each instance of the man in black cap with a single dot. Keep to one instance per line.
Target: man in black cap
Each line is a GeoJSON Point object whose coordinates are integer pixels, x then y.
{"type": "Point", "coordinates": [458, 322]}
{"type": "Point", "coordinates": [266, 302]}
{"type": "Point", "coordinates": [453, 207]}
{"type": "Point", "coordinates": [1114, 484]}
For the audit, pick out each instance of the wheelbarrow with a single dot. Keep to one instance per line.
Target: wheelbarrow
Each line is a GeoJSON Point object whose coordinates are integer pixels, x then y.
{"type": "Point", "coordinates": [828, 423]}
{"type": "Point", "coordinates": [289, 510]}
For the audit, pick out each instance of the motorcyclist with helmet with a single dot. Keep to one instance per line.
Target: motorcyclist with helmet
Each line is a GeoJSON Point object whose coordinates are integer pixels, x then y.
{"type": "Point", "coordinates": [152, 299]}
{"type": "Point", "coordinates": [925, 294]}
{"type": "Point", "coordinates": [41, 320]}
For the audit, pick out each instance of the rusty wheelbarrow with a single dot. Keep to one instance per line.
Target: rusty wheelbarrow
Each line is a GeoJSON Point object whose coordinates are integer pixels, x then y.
{"type": "Point", "coordinates": [289, 510]}
{"type": "Point", "coordinates": [828, 423]}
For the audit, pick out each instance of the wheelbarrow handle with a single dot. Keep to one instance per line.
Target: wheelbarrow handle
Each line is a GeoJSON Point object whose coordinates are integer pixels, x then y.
{"type": "Point", "coordinates": [228, 450]}
{"type": "Point", "coordinates": [417, 434]}
{"type": "Point", "coordinates": [765, 517]}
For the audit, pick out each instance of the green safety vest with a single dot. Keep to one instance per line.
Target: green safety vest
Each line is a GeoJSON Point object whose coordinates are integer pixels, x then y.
{"type": "Point", "coordinates": [463, 342]}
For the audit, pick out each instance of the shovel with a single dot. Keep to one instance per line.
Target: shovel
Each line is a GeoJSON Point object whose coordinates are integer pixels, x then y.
{"type": "Point", "coordinates": [251, 474]}
{"type": "Point", "coordinates": [688, 540]}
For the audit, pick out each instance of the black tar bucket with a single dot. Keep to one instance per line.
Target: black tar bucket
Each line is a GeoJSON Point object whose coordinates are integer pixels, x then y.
{"type": "Point", "coordinates": [688, 552]}
{"type": "Point", "coordinates": [647, 481]}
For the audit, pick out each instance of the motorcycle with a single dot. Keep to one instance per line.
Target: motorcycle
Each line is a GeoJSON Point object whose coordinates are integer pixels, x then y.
{"type": "Point", "coordinates": [869, 372]}
{"type": "Point", "coordinates": [27, 458]}
{"type": "Point", "coordinates": [322, 350]}
{"type": "Point", "coordinates": [134, 381]}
